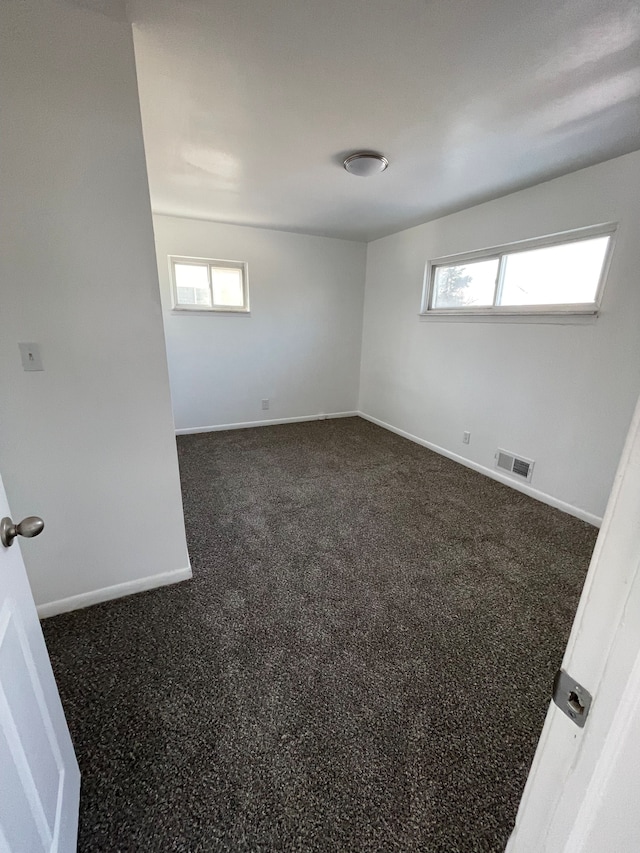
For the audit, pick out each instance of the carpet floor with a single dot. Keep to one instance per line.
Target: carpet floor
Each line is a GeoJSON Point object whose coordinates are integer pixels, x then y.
{"type": "Point", "coordinates": [361, 664]}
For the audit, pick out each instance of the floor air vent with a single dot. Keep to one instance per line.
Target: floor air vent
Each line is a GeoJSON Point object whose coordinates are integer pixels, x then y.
{"type": "Point", "coordinates": [512, 464]}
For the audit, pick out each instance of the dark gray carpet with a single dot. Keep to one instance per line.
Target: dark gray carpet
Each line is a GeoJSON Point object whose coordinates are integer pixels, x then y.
{"type": "Point", "coordinates": [361, 664]}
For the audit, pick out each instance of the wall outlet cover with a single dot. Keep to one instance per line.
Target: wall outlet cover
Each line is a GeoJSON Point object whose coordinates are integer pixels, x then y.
{"type": "Point", "coordinates": [31, 356]}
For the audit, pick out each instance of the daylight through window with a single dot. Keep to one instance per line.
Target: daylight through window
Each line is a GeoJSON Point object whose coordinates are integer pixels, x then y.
{"type": "Point", "coordinates": [209, 285]}
{"type": "Point", "coordinates": [560, 274]}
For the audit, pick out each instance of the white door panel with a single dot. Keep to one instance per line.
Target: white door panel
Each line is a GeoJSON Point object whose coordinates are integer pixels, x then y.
{"type": "Point", "coordinates": [582, 792]}
{"type": "Point", "coordinates": [39, 776]}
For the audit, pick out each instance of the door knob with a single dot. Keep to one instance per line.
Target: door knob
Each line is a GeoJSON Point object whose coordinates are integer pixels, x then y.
{"type": "Point", "coordinates": [28, 527]}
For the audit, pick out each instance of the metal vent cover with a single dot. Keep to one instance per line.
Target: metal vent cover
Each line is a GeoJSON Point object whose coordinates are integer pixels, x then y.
{"type": "Point", "coordinates": [504, 461]}
{"type": "Point", "coordinates": [521, 468]}
{"type": "Point", "coordinates": [512, 464]}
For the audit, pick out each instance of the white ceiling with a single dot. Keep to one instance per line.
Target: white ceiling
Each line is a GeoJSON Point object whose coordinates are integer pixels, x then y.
{"type": "Point", "coordinates": [249, 106]}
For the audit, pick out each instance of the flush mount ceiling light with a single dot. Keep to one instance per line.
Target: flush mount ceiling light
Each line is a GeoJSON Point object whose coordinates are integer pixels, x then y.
{"type": "Point", "coordinates": [365, 163]}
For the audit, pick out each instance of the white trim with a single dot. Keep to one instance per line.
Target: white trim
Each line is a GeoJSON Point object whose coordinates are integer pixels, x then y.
{"type": "Point", "coordinates": [493, 474]}
{"type": "Point", "coordinates": [119, 590]}
{"type": "Point", "coordinates": [624, 720]}
{"type": "Point", "coordinates": [210, 264]}
{"type": "Point", "coordinates": [585, 309]}
{"type": "Point", "coordinates": [500, 253]}
{"type": "Point", "coordinates": [211, 312]}
{"type": "Point", "coordinates": [600, 654]}
{"type": "Point", "coordinates": [560, 319]}
{"type": "Point", "coordinates": [574, 235]}
{"type": "Point", "coordinates": [271, 422]}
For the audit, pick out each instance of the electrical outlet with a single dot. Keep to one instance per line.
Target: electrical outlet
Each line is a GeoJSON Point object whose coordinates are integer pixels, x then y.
{"type": "Point", "coordinates": [265, 405]}
{"type": "Point", "coordinates": [31, 358]}
{"type": "Point", "coordinates": [466, 437]}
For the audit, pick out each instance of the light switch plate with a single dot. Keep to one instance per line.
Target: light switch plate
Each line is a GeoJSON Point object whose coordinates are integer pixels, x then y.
{"type": "Point", "coordinates": [31, 357]}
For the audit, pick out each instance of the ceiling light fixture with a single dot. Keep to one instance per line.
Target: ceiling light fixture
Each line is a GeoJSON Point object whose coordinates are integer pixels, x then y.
{"type": "Point", "coordinates": [365, 163]}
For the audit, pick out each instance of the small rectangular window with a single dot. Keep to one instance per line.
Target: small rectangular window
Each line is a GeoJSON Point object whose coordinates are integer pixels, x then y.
{"type": "Point", "coordinates": [471, 284]}
{"type": "Point", "coordinates": [549, 275]}
{"type": "Point", "coordinates": [200, 284]}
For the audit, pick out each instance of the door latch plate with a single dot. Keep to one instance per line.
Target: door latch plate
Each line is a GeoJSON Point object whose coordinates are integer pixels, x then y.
{"type": "Point", "coordinates": [571, 697]}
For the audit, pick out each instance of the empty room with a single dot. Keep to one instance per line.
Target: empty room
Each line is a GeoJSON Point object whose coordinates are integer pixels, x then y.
{"type": "Point", "coordinates": [319, 432]}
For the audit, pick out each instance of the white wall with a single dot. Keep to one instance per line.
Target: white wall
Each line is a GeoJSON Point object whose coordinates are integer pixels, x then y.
{"type": "Point", "coordinates": [88, 443]}
{"type": "Point", "coordinates": [299, 347]}
{"type": "Point", "coordinates": [562, 395]}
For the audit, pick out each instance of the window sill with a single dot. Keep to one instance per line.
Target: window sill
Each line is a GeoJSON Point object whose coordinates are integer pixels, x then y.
{"type": "Point", "coordinates": [183, 312]}
{"type": "Point", "coordinates": [584, 317]}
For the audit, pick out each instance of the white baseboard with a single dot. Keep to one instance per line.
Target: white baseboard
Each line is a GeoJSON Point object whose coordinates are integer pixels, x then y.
{"type": "Point", "coordinates": [490, 472]}
{"type": "Point", "coordinates": [119, 590]}
{"type": "Point", "coordinates": [271, 422]}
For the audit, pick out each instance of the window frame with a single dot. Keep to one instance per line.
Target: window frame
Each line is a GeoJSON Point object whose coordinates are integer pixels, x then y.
{"type": "Point", "coordinates": [500, 252]}
{"type": "Point", "coordinates": [209, 263]}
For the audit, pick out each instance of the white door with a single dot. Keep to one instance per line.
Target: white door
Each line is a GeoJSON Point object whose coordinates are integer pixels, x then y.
{"type": "Point", "coordinates": [39, 776]}
{"type": "Point", "coordinates": [583, 791]}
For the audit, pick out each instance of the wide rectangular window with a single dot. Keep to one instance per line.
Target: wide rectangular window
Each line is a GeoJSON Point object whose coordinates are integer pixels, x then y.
{"type": "Point", "coordinates": [200, 284]}
{"type": "Point", "coordinates": [560, 274]}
